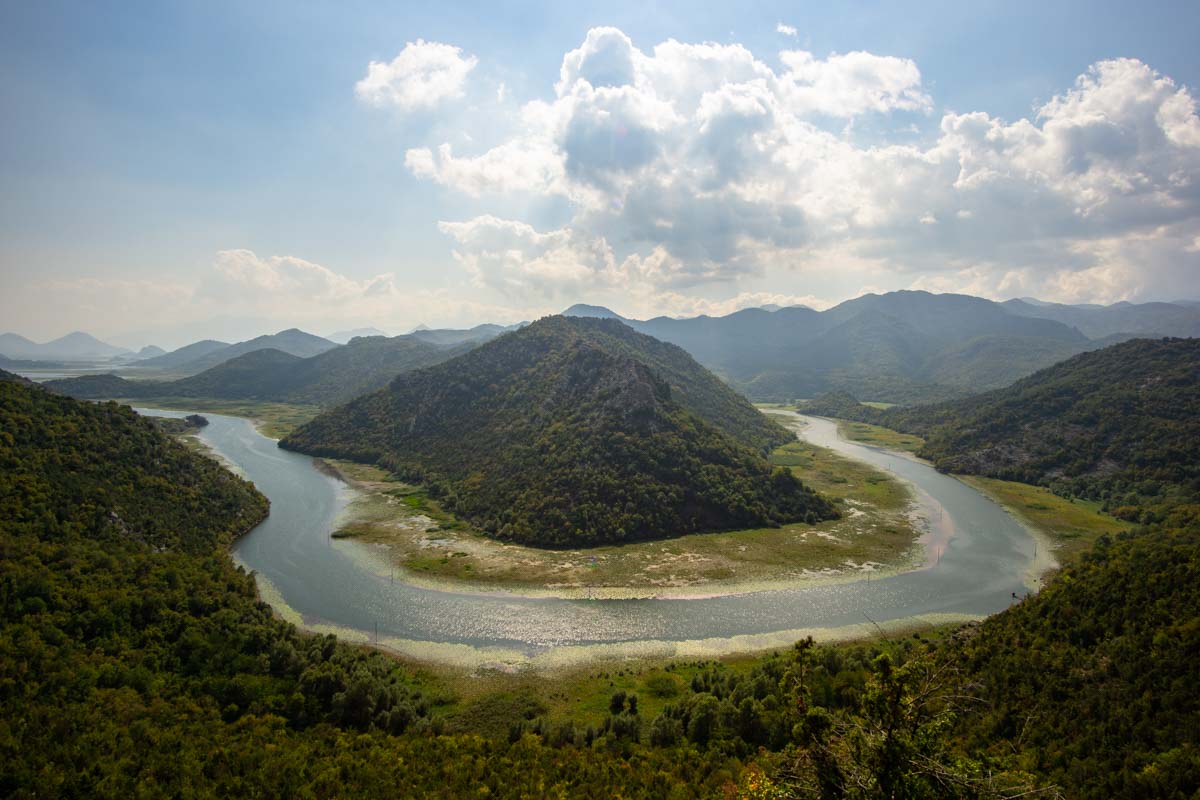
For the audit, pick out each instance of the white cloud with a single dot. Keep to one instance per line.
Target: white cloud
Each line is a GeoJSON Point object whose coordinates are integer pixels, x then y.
{"type": "Point", "coordinates": [786, 30]}
{"type": "Point", "coordinates": [420, 77]}
{"type": "Point", "coordinates": [852, 84]}
{"type": "Point", "coordinates": [696, 165]}
{"type": "Point", "coordinates": [520, 165]}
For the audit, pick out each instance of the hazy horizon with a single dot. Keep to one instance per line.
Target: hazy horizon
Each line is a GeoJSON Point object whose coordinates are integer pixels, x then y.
{"type": "Point", "coordinates": [192, 171]}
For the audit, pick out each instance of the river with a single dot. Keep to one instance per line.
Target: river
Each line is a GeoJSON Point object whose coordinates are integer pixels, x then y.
{"type": "Point", "coordinates": [978, 557]}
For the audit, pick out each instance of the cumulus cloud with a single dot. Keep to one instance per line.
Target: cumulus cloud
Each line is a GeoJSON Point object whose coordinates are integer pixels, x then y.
{"type": "Point", "coordinates": [420, 77]}
{"type": "Point", "coordinates": [296, 290]}
{"type": "Point", "coordinates": [786, 30]}
{"type": "Point", "coordinates": [694, 165]}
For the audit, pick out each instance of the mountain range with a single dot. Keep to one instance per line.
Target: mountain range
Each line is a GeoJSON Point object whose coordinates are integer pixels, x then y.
{"type": "Point", "coordinates": [75, 346]}
{"type": "Point", "coordinates": [332, 376]}
{"type": "Point", "coordinates": [573, 432]}
{"type": "Point", "coordinates": [204, 355]}
{"type": "Point", "coordinates": [902, 347]}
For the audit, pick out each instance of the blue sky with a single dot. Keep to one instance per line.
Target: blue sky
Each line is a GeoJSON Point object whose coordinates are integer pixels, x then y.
{"type": "Point", "coordinates": [169, 170]}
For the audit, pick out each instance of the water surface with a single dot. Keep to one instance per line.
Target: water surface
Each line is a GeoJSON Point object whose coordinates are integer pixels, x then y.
{"type": "Point", "coordinates": [977, 557]}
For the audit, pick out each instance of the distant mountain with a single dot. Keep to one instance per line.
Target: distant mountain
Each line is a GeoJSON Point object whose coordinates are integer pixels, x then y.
{"type": "Point", "coordinates": [292, 341]}
{"type": "Point", "coordinates": [177, 358]}
{"type": "Point", "coordinates": [75, 346]}
{"type": "Point", "coordinates": [584, 310]}
{"type": "Point", "coordinates": [151, 351]}
{"type": "Point", "coordinates": [447, 337]}
{"type": "Point", "coordinates": [564, 434]}
{"type": "Point", "coordinates": [326, 379]}
{"type": "Point", "coordinates": [1125, 419]}
{"type": "Point", "coordinates": [1098, 322]}
{"type": "Point", "coordinates": [903, 347]}
{"type": "Point", "coordinates": [342, 337]}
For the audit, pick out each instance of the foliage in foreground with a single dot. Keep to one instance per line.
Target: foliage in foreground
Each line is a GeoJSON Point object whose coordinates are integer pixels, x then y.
{"type": "Point", "coordinates": [137, 662]}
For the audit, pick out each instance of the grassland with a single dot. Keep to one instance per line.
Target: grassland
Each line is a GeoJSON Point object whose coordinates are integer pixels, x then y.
{"type": "Point", "coordinates": [408, 529]}
{"type": "Point", "coordinates": [275, 420]}
{"type": "Point", "coordinates": [877, 436]}
{"type": "Point", "coordinates": [488, 701]}
{"type": "Point", "coordinates": [1072, 525]}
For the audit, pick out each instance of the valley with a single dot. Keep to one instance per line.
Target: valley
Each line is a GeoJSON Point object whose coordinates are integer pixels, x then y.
{"type": "Point", "coordinates": [638, 644]}
{"type": "Point", "coordinates": [618, 401]}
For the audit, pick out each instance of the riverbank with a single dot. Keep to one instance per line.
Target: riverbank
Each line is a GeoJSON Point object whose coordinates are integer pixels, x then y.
{"type": "Point", "coordinates": [398, 527]}
{"type": "Point", "coordinates": [1062, 528]}
{"type": "Point", "coordinates": [273, 420]}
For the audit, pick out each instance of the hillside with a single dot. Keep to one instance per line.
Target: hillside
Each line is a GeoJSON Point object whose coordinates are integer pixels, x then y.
{"type": "Point", "coordinates": [185, 354]}
{"type": "Point", "coordinates": [1128, 319]}
{"type": "Point", "coordinates": [901, 347]}
{"type": "Point", "coordinates": [123, 620]}
{"type": "Point", "coordinates": [568, 432]}
{"type": "Point", "coordinates": [14, 378]}
{"type": "Point", "coordinates": [1119, 424]}
{"type": "Point", "coordinates": [326, 379]}
{"type": "Point", "coordinates": [292, 341]}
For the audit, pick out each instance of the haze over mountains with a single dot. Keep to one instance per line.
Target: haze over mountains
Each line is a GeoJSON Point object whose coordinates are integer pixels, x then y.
{"type": "Point", "coordinates": [332, 376]}
{"type": "Point", "coordinates": [207, 354]}
{"type": "Point", "coordinates": [343, 337]}
{"type": "Point", "coordinates": [75, 346]}
{"type": "Point", "coordinates": [903, 347]}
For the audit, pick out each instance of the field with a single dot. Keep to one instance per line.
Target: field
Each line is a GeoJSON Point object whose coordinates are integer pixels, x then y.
{"type": "Point", "coordinates": [409, 530]}
{"type": "Point", "coordinates": [489, 701]}
{"type": "Point", "coordinates": [877, 436]}
{"type": "Point", "coordinates": [1072, 525]}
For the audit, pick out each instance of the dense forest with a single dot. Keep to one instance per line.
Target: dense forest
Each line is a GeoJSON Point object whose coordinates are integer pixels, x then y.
{"type": "Point", "coordinates": [137, 661]}
{"type": "Point", "coordinates": [1119, 425]}
{"type": "Point", "coordinates": [560, 435]}
{"type": "Point", "coordinates": [328, 378]}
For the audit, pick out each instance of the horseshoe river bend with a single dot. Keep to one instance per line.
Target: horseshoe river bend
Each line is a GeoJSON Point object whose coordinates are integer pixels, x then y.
{"type": "Point", "coordinates": [977, 557]}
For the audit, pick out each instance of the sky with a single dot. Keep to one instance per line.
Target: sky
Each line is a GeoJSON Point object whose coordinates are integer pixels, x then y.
{"type": "Point", "coordinates": [173, 171]}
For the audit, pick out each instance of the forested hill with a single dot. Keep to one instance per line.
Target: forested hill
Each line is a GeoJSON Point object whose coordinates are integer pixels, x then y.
{"type": "Point", "coordinates": [134, 658]}
{"type": "Point", "coordinates": [560, 434]}
{"type": "Point", "coordinates": [100, 472]}
{"type": "Point", "coordinates": [692, 385]}
{"type": "Point", "coordinates": [326, 379]}
{"type": "Point", "coordinates": [1120, 424]}
{"type": "Point", "coordinates": [14, 378]}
